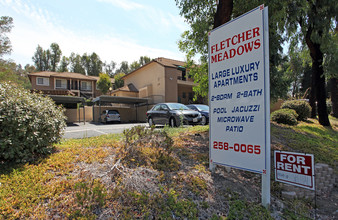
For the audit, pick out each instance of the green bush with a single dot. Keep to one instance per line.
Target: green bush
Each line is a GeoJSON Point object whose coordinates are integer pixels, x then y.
{"type": "Point", "coordinates": [29, 124]}
{"type": "Point", "coordinates": [285, 116]}
{"type": "Point", "coordinates": [302, 108]}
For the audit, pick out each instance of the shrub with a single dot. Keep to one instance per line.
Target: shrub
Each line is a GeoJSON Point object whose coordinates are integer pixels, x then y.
{"type": "Point", "coordinates": [285, 116]}
{"type": "Point", "coordinates": [149, 147]}
{"type": "Point", "coordinates": [302, 108]}
{"type": "Point", "coordinates": [29, 124]}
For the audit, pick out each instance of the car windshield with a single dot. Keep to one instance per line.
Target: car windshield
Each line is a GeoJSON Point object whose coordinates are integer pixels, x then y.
{"type": "Point", "coordinates": [202, 107]}
{"type": "Point", "coordinates": [112, 112]}
{"type": "Point", "coordinates": [177, 106]}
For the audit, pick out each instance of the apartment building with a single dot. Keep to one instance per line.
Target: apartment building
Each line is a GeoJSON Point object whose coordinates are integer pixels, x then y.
{"type": "Point", "coordinates": [55, 83]}
{"type": "Point", "coordinates": [161, 80]}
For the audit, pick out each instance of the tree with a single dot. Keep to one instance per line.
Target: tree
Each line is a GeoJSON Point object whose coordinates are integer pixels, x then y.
{"type": "Point", "coordinates": [137, 64]}
{"type": "Point", "coordinates": [331, 67]}
{"type": "Point", "coordinates": [47, 60]}
{"type": "Point", "coordinates": [295, 71]}
{"type": "Point", "coordinates": [14, 74]}
{"type": "Point", "coordinates": [63, 67]}
{"type": "Point", "coordinates": [308, 22]}
{"type": "Point", "coordinates": [144, 60]}
{"type": "Point", "coordinates": [92, 64]}
{"type": "Point", "coordinates": [55, 56]}
{"type": "Point", "coordinates": [124, 68]}
{"type": "Point", "coordinates": [38, 59]}
{"type": "Point", "coordinates": [75, 63]}
{"type": "Point", "coordinates": [6, 24]}
{"type": "Point", "coordinates": [203, 16]}
{"type": "Point", "coordinates": [118, 80]}
{"type": "Point", "coordinates": [311, 22]}
{"type": "Point", "coordinates": [29, 68]}
{"type": "Point", "coordinates": [134, 65]}
{"type": "Point", "coordinates": [95, 65]}
{"type": "Point", "coordinates": [104, 83]}
{"type": "Point", "coordinates": [109, 68]}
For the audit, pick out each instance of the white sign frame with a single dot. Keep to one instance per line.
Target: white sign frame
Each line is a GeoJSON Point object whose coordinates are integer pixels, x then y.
{"type": "Point", "coordinates": [294, 178]}
{"type": "Point", "coordinates": [226, 97]}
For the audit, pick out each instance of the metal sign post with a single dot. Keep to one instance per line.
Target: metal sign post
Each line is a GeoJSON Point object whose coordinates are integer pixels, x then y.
{"type": "Point", "coordinates": [239, 96]}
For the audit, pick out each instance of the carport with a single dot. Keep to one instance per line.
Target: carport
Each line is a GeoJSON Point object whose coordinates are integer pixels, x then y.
{"type": "Point", "coordinates": [64, 100]}
{"type": "Point", "coordinates": [104, 100]}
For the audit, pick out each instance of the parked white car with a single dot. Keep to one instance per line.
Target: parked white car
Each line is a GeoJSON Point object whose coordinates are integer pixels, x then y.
{"type": "Point", "coordinates": [110, 116]}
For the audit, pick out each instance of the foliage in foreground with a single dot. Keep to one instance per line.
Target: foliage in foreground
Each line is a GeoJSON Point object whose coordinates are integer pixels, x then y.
{"type": "Point", "coordinates": [285, 116]}
{"type": "Point", "coordinates": [60, 186]}
{"type": "Point", "coordinates": [302, 108]}
{"type": "Point", "coordinates": [51, 186]}
{"type": "Point", "coordinates": [30, 124]}
{"type": "Point", "coordinates": [310, 137]}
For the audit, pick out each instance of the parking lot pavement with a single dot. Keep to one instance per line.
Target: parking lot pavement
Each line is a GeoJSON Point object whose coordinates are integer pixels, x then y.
{"type": "Point", "coordinates": [80, 130]}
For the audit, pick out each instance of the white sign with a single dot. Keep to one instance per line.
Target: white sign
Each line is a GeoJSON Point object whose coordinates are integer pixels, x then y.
{"type": "Point", "coordinates": [239, 93]}
{"type": "Point", "coordinates": [295, 169]}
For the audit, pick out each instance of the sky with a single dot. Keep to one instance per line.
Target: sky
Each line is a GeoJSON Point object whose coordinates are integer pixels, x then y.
{"type": "Point", "coordinates": [117, 30]}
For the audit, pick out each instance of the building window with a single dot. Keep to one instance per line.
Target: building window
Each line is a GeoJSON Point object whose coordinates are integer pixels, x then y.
{"type": "Point", "coordinates": [86, 86]}
{"type": "Point", "coordinates": [183, 95]}
{"type": "Point", "coordinates": [61, 84]}
{"type": "Point", "coordinates": [42, 81]}
{"type": "Point", "coordinates": [190, 96]}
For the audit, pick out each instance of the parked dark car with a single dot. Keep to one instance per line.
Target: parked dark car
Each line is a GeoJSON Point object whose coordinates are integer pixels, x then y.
{"type": "Point", "coordinates": [173, 114]}
{"type": "Point", "coordinates": [110, 116]}
{"type": "Point", "coordinates": [203, 109]}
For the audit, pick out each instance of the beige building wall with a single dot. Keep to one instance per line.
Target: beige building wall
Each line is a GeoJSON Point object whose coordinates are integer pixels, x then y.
{"type": "Point", "coordinates": [125, 94]}
{"type": "Point", "coordinates": [127, 114]}
{"type": "Point", "coordinates": [73, 114]}
{"type": "Point", "coordinates": [171, 84]}
{"type": "Point", "coordinates": [150, 75]}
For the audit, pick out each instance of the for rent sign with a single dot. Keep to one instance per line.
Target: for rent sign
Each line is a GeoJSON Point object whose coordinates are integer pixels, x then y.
{"type": "Point", "coordinates": [295, 168]}
{"type": "Point", "coordinates": [239, 92]}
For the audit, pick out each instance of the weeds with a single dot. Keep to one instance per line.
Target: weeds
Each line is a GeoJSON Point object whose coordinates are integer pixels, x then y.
{"type": "Point", "coordinates": [89, 196]}
{"type": "Point", "coordinates": [177, 162]}
{"type": "Point", "coordinates": [147, 147]}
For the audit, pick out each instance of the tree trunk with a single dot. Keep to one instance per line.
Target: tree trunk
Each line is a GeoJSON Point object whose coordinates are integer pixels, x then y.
{"type": "Point", "coordinates": [223, 12]}
{"type": "Point", "coordinates": [318, 79]}
{"type": "Point", "coordinates": [334, 96]}
{"type": "Point", "coordinates": [312, 100]}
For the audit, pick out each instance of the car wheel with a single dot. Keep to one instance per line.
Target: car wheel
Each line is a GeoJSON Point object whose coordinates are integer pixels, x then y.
{"type": "Point", "coordinates": [151, 122]}
{"type": "Point", "coordinates": [172, 122]}
{"type": "Point", "coordinates": [204, 120]}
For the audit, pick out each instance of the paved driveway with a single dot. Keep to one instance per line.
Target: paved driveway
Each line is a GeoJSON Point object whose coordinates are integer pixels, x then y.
{"type": "Point", "coordinates": [79, 130]}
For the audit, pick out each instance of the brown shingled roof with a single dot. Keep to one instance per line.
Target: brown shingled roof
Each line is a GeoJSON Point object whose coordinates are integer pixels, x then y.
{"type": "Point", "coordinates": [128, 88]}
{"type": "Point", "coordinates": [46, 74]}
{"type": "Point", "coordinates": [63, 75]}
{"type": "Point", "coordinates": [169, 62]}
{"type": "Point", "coordinates": [162, 61]}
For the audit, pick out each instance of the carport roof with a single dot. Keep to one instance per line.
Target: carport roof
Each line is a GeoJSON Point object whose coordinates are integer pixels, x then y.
{"type": "Point", "coordinates": [67, 99]}
{"type": "Point", "coordinates": [119, 99]}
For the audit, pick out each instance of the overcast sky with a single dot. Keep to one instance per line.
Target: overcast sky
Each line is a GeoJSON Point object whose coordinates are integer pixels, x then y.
{"type": "Point", "coordinates": [117, 30]}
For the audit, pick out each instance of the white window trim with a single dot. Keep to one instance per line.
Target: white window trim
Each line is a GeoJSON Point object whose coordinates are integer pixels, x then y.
{"type": "Point", "coordinates": [45, 81]}
{"type": "Point", "coordinates": [88, 83]}
{"type": "Point", "coordinates": [62, 87]}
